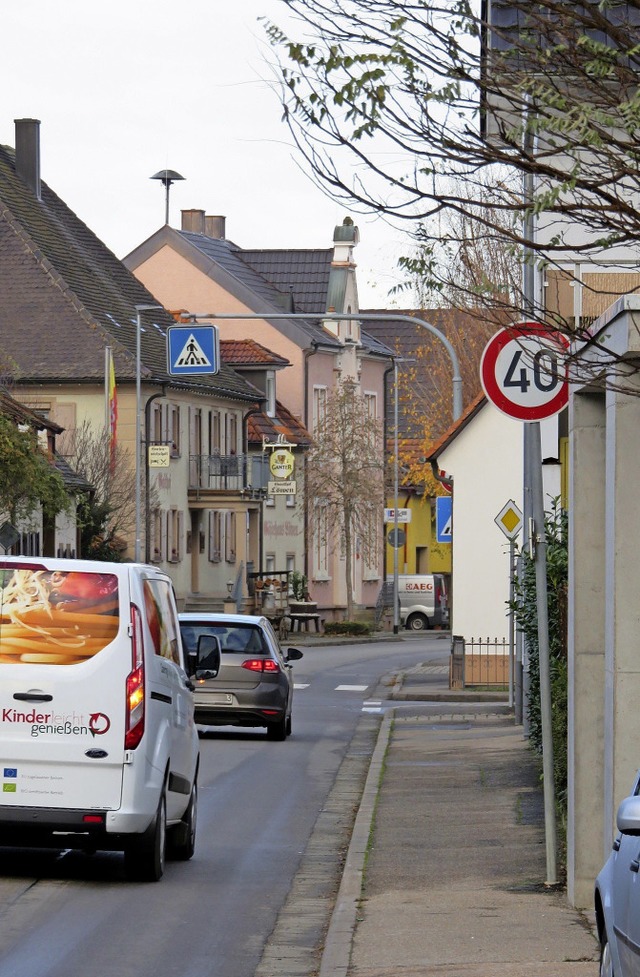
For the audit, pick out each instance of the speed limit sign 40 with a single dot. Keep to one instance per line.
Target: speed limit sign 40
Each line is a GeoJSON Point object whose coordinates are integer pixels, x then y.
{"type": "Point", "coordinates": [523, 371]}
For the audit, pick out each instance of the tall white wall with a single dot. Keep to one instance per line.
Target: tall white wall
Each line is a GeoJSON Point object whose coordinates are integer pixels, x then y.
{"type": "Point", "coordinates": [485, 460]}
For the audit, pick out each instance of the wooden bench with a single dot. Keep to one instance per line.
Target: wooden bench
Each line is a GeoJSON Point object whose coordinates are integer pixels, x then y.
{"type": "Point", "coordinates": [300, 621]}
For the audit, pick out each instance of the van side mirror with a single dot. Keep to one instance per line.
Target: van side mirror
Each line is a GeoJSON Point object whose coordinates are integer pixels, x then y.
{"type": "Point", "coordinates": [208, 656]}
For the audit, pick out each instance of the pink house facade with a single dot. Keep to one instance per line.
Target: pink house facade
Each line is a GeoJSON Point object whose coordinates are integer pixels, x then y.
{"type": "Point", "coordinates": [198, 270]}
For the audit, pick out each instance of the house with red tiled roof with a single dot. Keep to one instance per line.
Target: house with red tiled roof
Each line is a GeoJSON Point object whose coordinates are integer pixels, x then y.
{"type": "Point", "coordinates": [288, 294]}
{"type": "Point", "coordinates": [64, 300]}
{"type": "Point", "coordinates": [283, 531]}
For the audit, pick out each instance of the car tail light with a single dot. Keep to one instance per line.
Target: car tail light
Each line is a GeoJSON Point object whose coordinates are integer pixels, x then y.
{"type": "Point", "coordinates": [134, 722]}
{"type": "Point", "coordinates": [261, 665]}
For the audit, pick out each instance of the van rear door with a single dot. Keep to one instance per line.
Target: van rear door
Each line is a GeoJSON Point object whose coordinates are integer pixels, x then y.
{"type": "Point", "coordinates": [65, 653]}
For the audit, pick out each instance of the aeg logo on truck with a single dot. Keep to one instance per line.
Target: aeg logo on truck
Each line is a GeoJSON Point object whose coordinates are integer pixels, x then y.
{"type": "Point", "coordinates": [419, 586]}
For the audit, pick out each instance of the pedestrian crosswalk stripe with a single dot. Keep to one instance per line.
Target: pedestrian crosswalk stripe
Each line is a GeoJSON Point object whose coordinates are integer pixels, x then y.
{"type": "Point", "coordinates": [351, 688]}
{"type": "Point", "coordinates": [301, 685]}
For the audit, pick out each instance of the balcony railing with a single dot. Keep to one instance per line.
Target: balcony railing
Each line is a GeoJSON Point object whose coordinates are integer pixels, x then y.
{"type": "Point", "coordinates": [228, 473]}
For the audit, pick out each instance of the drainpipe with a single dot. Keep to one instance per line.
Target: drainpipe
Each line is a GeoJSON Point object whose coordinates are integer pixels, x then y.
{"type": "Point", "coordinates": [308, 353]}
{"type": "Point", "coordinates": [260, 409]}
{"type": "Point", "coordinates": [147, 425]}
{"type": "Point", "coordinates": [390, 369]}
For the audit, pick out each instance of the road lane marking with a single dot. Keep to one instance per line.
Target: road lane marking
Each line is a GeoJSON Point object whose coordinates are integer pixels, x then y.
{"type": "Point", "coordinates": [351, 688]}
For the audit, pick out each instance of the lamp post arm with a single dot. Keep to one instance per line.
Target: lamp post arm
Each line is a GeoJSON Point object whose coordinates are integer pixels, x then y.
{"type": "Point", "coordinates": [361, 317]}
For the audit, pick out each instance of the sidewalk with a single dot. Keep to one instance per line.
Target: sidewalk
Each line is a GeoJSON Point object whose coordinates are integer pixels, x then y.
{"type": "Point", "coordinates": [445, 872]}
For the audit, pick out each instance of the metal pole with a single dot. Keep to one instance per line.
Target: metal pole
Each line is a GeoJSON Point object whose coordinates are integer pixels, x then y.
{"type": "Point", "coordinates": [543, 659]}
{"type": "Point", "coordinates": [534, 487]}
{"type": "Point", "coordinates": [396, 616]}
{"type": "Point", "coordinates": [138, 542]}
{"type": "Point", "coordinates": [361, 317]}
{"type": "Point", "coordinates": [136, 554]}
{"type": "Point", "coordinates": [512, 620]}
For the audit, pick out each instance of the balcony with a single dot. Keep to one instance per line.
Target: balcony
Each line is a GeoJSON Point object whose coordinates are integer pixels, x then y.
{"type": "Point", "coordinates": [246, 474]}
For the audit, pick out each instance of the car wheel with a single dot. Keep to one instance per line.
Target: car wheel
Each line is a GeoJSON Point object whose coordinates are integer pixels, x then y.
{"type": "Point", "coordinates": [277, 731]}
{"type": "Point", "coordinates": [606, 963]}
{"type": "Point", "coordinates": [144, 857]}
{"type": "Point", "coordinates": [182, 838]}
{"type": "Point", "coordinates": [418, 622]}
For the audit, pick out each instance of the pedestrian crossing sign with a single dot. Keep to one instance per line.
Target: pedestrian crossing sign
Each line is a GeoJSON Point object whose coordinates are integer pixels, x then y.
{"type": "Point", "coordinates": [192, 350]}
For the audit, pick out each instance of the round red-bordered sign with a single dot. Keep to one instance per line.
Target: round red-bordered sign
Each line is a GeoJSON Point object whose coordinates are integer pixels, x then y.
{"type": "Point", "coordinates": [523, 371]}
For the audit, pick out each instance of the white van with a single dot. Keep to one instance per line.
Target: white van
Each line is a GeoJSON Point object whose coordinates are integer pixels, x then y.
{"type": "Point", "coordinates": [423, 600]}
{"type": "Point", "coordinates": [97, 740]}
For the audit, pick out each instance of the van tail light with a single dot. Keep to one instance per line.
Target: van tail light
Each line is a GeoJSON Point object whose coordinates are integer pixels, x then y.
{"type": "Point", "coordinates": [261, 665]}
{"type": "Point", "coordinates": [134, 721]}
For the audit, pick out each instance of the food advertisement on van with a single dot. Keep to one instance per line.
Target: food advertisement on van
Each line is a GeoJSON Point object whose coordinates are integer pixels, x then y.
{"type": "Point", "coordinates": [56, 617]}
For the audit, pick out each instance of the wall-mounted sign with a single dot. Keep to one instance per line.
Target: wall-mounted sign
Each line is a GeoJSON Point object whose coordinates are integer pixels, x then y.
{"type": "Point", "coordinates": [282, 463]}
{"type": "Point", "coordinates": [159, 455]}
{"type": "Point", "coordinates": [282, 488]}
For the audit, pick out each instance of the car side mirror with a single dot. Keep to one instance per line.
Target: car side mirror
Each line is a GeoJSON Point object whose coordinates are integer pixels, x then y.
{"type": "Point", "coordinates": [293, 655]}
{"type": "Point", "coordinates": [628, 816]}
{"type": "Point", "coordinates": [208, 656]}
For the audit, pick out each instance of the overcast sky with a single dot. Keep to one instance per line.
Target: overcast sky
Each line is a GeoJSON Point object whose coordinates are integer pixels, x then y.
{"type": "Point", "coordinates": [125, 88]}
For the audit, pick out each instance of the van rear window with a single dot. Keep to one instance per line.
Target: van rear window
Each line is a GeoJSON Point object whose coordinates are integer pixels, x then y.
{"type": "Point", "coordinates": [56, 617]}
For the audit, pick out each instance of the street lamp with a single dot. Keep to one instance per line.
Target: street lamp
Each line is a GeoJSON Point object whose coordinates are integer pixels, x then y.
{"type": "Point", "coordinates": [139, 310]}
{"type": "Point", "coordinates": [167, 177]}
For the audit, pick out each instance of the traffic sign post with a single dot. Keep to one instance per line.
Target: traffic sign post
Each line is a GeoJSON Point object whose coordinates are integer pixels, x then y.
{"type": "Point", "coordinates": [523, 371]}
{"type": "Point", "coordinates": [524, 374]}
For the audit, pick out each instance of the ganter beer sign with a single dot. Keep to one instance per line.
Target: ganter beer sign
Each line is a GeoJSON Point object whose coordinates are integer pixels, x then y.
{"type": "Point", "coordinates": [281, 463]}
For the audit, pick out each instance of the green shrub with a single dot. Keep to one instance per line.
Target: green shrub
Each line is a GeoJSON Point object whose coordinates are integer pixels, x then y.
{"type": "Point", "coordinates": [525, 609]}
{"type": "Point", "coordinates": [347, 627]}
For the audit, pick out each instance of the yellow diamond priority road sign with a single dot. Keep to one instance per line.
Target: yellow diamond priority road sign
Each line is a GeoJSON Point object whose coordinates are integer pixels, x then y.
{"type": "Point", "coordinates": [509, 519]}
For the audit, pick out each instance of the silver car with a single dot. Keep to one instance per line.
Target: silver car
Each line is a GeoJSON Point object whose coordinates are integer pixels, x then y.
{"type": "Point", "coordinates": [241, 675]}
{"type": "Point", "coordinates": [617, 895]}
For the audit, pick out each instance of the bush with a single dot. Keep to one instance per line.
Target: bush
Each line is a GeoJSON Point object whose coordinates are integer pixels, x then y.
{"type": "Point", "coordinates": [347, 627]}
{"type": "Point", "coordinates": [526, 618]}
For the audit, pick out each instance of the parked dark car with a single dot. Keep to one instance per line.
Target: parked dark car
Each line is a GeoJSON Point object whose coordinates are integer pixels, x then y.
{"type": "Point", "coordinates": [617, 895]}
{"type": "Point", "coordinates": [250, 682]}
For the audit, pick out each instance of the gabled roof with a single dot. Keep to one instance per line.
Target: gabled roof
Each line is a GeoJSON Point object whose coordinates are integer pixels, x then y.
{"type": "Point", "coordinates": [24, 415]}
{"type": "Point", "coordinates": [64, 296]}
{"type": "Point", "coordinates": [458, 426]}
{"type": "Point", "coordinates": [405, 338]}
{"type": "Point", "coordinates": [266, 280]}
{"type": "Point", "coordinates": [260, 425]}
{"type": "Point", "coordinates": [247, 353]}
{"type": "Point", "coordinates": [301, 274]}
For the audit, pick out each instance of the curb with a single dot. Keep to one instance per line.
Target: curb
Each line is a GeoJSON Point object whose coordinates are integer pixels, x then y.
{"type": "Point", "coordinates": [337, 948]}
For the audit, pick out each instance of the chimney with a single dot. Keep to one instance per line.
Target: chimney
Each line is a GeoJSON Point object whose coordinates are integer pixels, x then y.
{"type": "Point", "coordinates": [193, 220]}
{"type": "Point", "coordinates": [215, 227]}
{"type": "Point", "coordinates": [28, 153]}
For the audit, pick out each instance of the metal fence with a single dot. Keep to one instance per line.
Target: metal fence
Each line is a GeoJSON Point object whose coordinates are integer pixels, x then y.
{"type": "Point", "coordinates": [479, 661]}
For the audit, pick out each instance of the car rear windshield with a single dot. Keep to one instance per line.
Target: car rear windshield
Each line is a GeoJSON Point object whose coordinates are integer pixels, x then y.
{"type": "Point", "coordinates": [245, 639]}
{"type": "Point", "coordinates": [56, 617]}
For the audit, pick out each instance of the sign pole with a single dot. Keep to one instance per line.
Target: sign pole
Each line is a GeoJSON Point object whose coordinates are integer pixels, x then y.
{"type": "Point", "coordinates": [396, 598]}
{"type": "Point", "coordinates": [523, 375]}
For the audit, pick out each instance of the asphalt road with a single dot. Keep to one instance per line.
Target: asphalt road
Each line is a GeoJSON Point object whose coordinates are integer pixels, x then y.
{"type": "Point", "coordinates": [64, 914]}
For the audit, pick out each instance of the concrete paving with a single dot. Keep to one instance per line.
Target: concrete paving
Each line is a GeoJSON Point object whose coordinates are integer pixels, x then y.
{"type": "Point", "coordinates": [445, 873]}
{"type": "Point", "coordinates": [437, 815]}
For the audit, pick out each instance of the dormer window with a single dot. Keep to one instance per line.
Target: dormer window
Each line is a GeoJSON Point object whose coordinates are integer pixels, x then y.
{"type": "Point", "coordinates": [270, 391]}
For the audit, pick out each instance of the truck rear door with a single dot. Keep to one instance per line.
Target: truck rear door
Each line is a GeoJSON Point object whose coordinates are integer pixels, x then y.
{"type": "Point", "coordinates": [64, 659]}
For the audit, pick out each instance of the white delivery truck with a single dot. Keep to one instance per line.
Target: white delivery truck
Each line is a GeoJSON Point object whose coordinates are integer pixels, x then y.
{"type": "Point", "coordinates": [423, 600]}
{"type": "Point", "coordinates": [98, 745]}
